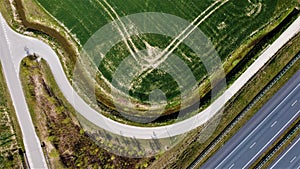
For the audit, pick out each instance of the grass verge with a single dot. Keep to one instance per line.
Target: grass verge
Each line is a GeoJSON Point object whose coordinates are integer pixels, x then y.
{"type": "Point", "coordinates": [27, 17]}
{"type": "Point", "coordinates": [65, 143]}
{"type": "Point", "coordinates": [286, 138]}
{"type": "Point", "coordinates": [11, 142]}
{"type": "Point", "coordinates": [29, 9]}
{"type": "Point", "coordinates": [183, 159]}
{"type": "Point", "coordinates": [257, 84]}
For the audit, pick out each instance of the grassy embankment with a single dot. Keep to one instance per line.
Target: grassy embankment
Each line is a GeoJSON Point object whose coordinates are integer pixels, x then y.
{"type": "Point", "coordinates": [28, 18]}
{"type": "Point", "coordinates": [261, 80]}
{"type": "Point", "coordinates": [288, 138]}
{"type": "Point", "coordinates": [235, 107]}
{"type": "Point", "coordinates": [11, 143]}
{"type": "Point", "coordinates": [65, 142]}
{"type": "Point", "coordinates": [240, 46]}
{"type": "Point", "coordinates": [31, 10]}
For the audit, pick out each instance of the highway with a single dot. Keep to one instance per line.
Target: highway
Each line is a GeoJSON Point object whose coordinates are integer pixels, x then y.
{"type": "Point", "coordinates": [260, 131]}
{"type": "Point", "coordinates": [13, 51]}
{"type": "Point", "coordinates": [290, 158]}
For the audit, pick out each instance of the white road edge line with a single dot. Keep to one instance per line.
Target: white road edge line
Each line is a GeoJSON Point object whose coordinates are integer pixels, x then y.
{"type": "Point", "coordinates": [145, 133]}
{"type": "Point", "coordinates": [284, 154]}
{"type": "Point", "coordinates": [288, 123]}
{"type": "Point", "coordinates": [259, 124]}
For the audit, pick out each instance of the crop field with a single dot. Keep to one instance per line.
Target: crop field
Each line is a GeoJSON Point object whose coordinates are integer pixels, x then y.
{"type": "Point", "coordinates": [227, 27]}
{"type": "Point", "coordinates": [228, 24]}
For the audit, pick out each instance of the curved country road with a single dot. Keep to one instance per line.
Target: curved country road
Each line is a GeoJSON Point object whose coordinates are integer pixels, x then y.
{"type": "Point", "coordinates": [12, 52]}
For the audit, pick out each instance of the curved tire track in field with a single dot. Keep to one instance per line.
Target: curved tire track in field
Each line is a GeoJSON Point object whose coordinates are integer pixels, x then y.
{"type": "Point", "coordinates": [18, 42]}
{"type": "Point", "coordinates": [184, 34]}
{"type": "Point", "coordinates": [120, 30]}
{"type": "Point", "coordinates": [12, 52]}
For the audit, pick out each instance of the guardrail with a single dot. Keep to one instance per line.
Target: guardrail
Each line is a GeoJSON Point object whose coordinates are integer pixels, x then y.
{"type": "Point", "coordinates": [242, 114]}
{"type": "Point", "coordinates": [278, 146]}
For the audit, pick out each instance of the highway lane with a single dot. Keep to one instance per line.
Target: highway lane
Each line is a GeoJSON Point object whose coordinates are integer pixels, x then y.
{"type": "Point", "coordinates": [290, 158]}
{"type": "Point", "coordinates": [31, 142]}
{"type": "Point", "coordinates": [12, 58]}
{"type": "Point", "coordinates": [262, 130]}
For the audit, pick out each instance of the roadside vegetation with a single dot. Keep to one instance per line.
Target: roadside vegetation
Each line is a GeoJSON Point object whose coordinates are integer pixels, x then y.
{"type": "Point", "coordinates": [26, 17]}
{"type": "Point", "coordinates": [193, 146]}
{"type": "Point", "coordinates": [11, 149]}
{"type": "Point", "coordinates": [233, 37]}
{"type": "Point", "coordinates": [64, 142]}
{"type": "Point", "coordinates": [61, 116]}
{"type": "Point", "coordinates": [254, 87]}
{"type": "Point", "coordinates": [66, 34]}
{"type": "Point", "coordinates": [278, 146]}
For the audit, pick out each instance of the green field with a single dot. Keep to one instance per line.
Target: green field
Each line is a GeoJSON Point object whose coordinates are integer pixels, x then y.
{"type": "Point", "coordinates": [229, 27]}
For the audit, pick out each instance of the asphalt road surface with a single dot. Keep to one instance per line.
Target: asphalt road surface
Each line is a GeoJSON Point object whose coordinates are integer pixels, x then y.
{"type": "Point", "coordinates": [290, 158]}
{"type": "Point", "coordinates": [32, 144]}
{"type": "Point", "coordinates": [261, 131]}
{"type": "Point", "coordinates": [19, 42]}
{"type": "Point", "coordinates": [14, 47]}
